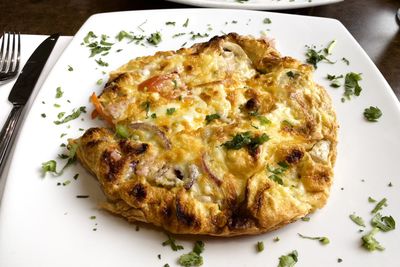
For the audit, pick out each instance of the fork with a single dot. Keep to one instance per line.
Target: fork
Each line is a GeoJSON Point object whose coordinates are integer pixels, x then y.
{"type": "Point", "coordinates": [9, 55]}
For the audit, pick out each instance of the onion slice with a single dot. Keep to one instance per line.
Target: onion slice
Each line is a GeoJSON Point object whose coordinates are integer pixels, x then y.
{"type": "Point", "coordinates": [204, 161]}
{"type": "Point", "coordinates": [154, 129]}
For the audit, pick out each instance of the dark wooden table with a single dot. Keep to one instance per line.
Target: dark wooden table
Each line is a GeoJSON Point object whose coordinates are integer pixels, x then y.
{"type": "Point", "coordinates": [372, 23]}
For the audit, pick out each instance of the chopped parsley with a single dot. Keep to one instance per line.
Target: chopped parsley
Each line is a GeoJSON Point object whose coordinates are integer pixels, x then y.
{"type": "Point", "coordinates": [276, 173]}
{"type": "Point", "coordinates": [305, 219]}
{"type": "Point", "coordinates": [357, 220]}
{"type": "Point", "coordinates": [241, 1]}
{"type": "Point", "coordinates": [130, 36]}
{"type": "Point", "coordinates": [95, 47]}
{"type": "Point", "coordinates": [101, 62]}
{"type": "Point", "coordinates": [323, 240]}
{"type": "Point", "coordinates": [372, 114]}
{"type": "Point", "coordinates": [351, 86]}
{"type": "Point", "coordinates": [70, 68]}
{"type": "Point", "coordinates": [379, 205]}
{"type": "Point", "coordinates": [267, 21]}
{"type": "Point", "coordinates": [154, 38]}
{"type": "Point", "coordinates": [345, 60]}
{"type": "Point", "coordinates": [146, 107]}
{"type": "Point", "coordinates": [90, 35]}
{"type": "Point", "coordinates": [59, 92]}
{"type": "Point", "coordinates": [170, 23]}
{"type": "Point", "coordinates": [43, 115]}
{"type": "Point", "coordinates": [314, 56]}
{"type": "Point", "coordinates": [122, 131]}
{"type": "Point", "coordinates": [99, 81]}
{"type": "Point", "coordinates": [260, 246]}
{"type": "Point", "coordinates": [60, 115]}
{"type": "Point", "coordinates": [170, 111]}
{"type": "Point", "coordinates": [186, 23]}
{"type": "Point", "coordinates": [199, 35]}
{"type": "Point", "coordinates": [172, 243]}
{"type": "Point", "coordinates": [385, 223]}
{"type": "Point", "coordinates": [292, 74]}
{"type": "Point", "coordinates": [288, 260]}
{"type": "Point", "coordinates": [154, 116]}
{"type": "Point", "coordinates": [370, 243]}
{"type": "Point", "coordinates": [211, 117]}
{"type": "Point", "coordinates": [49, 166]}
{"type": "Point", "coordinates": [329, 48]}
{"type": "Point", "coordinates": [193, 258]}
{"type": "Point", "coordinates": [245, 139]}
{"type": "Point", "coordinates": [75, 114]}
{"type": "Point", "coordinates": [276, 239]}
{"type": "Point", "coordinates": [371, 200]}
{"type": "Point", "coordinates": [335, 83]}
{"type": "Point", "coordinates": [178, 34]}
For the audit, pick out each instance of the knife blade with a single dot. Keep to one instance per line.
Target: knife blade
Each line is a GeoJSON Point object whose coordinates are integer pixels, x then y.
{"type": "Point", "coordinates": [21, 92]}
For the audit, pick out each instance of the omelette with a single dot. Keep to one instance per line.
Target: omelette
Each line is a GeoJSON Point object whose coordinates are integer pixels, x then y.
{"type": "Point", "coordinates": [224, 138]}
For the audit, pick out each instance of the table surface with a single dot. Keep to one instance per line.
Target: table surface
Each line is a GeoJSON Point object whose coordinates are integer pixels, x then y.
{"type": "Point", "coordinates": [372, 23]}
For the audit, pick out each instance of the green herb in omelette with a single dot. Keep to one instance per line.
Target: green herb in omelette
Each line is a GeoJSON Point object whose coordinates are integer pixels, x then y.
{"type": "Point", "coordinates": [122, 131]}
{"type": "Point", "coordinates": [277, 172]}
{"type": "Point", "coordinates": [385, 223]}
{"type": "Point", "coordinates": [288, 260]}
{"type": "Point", "coordinates": [357, 220]}
{"type": "Point", "coordinates": [372, 114]}
{"type": "Point", "coordinates": [323, 240]}
{"type": "Point", "coordinates": [211, 117]}
{"type": "Point", "coordinates": [170, 111]}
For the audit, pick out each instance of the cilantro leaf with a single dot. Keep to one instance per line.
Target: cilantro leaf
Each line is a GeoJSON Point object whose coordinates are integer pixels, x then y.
{"type": "Point", "coordinates": [370, 243]}
{"type": "Point", "coordinates": [211, 117]}
{"type": "Point", "coordinates": [379, 205]}
{"type": "Point", "coordinates": [260, 246]}
{"type": "Point", "coordinates": [385, 223]}
{"type": "Point", "coordinates": [154, 38]}
{"type": "Point", "coordinates": [190, 259]}
{"type": "Point", "coordinates": [170, 111]}
{"type": "Point", "coordinates": [323, 240]}
{"type": "Point", "coordinates": [172, 242]}
{"type": "Point", "coordinates": [372, 114]}
{"type": "Point", "coordinates": [357, 220]}
{"type": "Point", "coordinates": [75, 114]}
{"type": "Point", "coordinates": [288, 260]}
{"type": "Point", "coordinates": [49, 166]}
{"type": "Point", "coordinates": [59, 92]}
{"type": "Point", "coordinates": [351, 86]}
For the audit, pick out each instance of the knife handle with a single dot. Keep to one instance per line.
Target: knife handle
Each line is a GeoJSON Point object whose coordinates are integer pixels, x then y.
{"type": "Point", "coordinates": [7, 135]}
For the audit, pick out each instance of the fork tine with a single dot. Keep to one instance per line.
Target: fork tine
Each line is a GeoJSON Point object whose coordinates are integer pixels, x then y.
{"type": "Point", "coordinates": [19, 52]}
{"type": "Point", "coordinates": [1, 50]}
{"type": "Point", "coordinates": [5, 67]}
{"type": "Point", "coordinates": [12, 58]}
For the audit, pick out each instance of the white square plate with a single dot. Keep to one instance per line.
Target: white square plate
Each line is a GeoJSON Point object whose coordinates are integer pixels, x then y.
{"type": "Point", "coordinates": [42, 224]}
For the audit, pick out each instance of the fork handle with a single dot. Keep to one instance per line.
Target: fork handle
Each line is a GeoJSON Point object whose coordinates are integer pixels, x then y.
{"type": "Point", "coordinates": [7, 135]}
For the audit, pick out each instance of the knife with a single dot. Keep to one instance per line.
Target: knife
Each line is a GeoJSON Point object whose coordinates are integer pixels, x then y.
{"type": "Point", "coordinates": [21, 92]}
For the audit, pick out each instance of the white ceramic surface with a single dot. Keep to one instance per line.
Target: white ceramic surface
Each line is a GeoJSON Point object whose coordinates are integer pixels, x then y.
{"type": "Point", "coordinates": [257, 4]}
{"type": "Point", "coordinates": [42, 224]}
